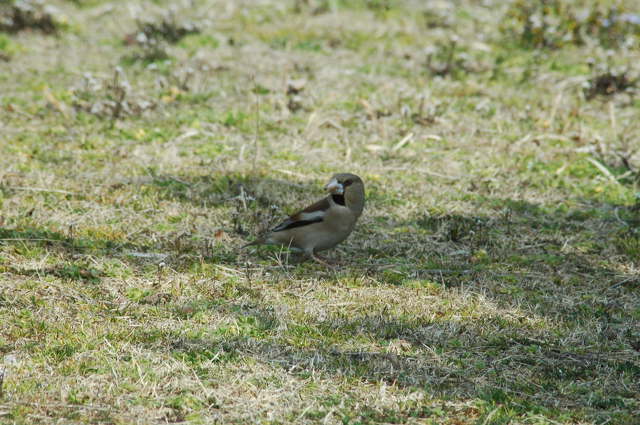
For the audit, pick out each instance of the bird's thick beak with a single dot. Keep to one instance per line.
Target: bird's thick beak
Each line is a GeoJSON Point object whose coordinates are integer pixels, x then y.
{"type": "Point", "coordinates": [334, 187]}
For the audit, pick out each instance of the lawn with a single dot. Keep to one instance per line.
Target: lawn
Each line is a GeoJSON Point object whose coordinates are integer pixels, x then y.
{"type": "Point", "coordinates": [493, 278]}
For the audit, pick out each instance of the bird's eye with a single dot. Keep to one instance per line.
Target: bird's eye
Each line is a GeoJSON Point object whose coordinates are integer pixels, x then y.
{"type": "Point", "coordinates": [347, 183]}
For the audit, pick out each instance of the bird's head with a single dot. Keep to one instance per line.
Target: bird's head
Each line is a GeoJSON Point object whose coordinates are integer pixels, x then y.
{"type": "Point", "coordinates": [340, 182]}
{"type": "Point", "coordinates": [347, 189]}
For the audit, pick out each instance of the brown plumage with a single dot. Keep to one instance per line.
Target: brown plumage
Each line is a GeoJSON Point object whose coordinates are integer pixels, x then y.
{"type": "Point", "coordinates": [324, 224]}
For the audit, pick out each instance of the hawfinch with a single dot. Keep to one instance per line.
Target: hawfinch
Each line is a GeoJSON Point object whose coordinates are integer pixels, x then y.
{"type": "Point", "coordinates": [324, 224]}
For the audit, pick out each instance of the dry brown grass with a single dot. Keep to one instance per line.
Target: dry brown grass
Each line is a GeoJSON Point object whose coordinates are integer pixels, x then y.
{"type": "Point", "coordinates": [493, 278]}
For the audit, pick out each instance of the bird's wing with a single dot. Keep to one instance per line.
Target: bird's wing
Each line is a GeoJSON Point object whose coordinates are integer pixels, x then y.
{"type": "Point", "coordinates": [312, 214]}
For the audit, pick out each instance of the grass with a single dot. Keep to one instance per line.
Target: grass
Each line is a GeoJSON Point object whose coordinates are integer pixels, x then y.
{"type": "Point", "coordinates": [493, 278]}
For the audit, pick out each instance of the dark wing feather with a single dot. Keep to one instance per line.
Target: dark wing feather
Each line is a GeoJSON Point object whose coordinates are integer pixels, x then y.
{"type": "Point", "coordinates": [290, 224]}
{"type": "Point", "coordinates": [312, 214]}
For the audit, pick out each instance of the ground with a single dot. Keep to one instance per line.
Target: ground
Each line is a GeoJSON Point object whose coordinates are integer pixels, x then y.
{"type": "Point", "coordinates": [493, 277]}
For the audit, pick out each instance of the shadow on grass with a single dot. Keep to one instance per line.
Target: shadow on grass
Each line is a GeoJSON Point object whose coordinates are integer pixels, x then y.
{"type": "Point", "coordinates": [249, 202]}
{"type": "Point", "coordinates": [77, 272]}
{"type": "Point", "coordinates": [594, 244]}
{"type": "Point", "coordinates": [34, 243]}
{"type": "Point", "coordinates": [215, 189]}
{"type": "Point", "coordinates": [515, 372]}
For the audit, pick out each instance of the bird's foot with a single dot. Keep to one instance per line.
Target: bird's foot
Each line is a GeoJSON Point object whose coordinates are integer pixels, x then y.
{"type": "Point", "coordinates": [322, 261]}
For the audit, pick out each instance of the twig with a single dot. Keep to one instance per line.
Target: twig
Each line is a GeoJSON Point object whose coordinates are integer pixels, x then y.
{"type": "Point", "coordinates": [617, 216]}
{"type": "Point", "coordinates": [603, 170]}
{"type": "Point", "coordinates": [425, 171]}
{"type": "Point", "coordinates": [427, 271]}
{"type": "Point", "coordinates": [490, 415]}
{"type": "Point", "coordinates": [57, 405]}
{"type": "Point", "coordinates": [175, 179]}
{"type": "Point", "coordinates": [255, 138]}
{"type": "Point", "coordinates": [2, 372]}
{"type": "Point", "coordinates": [554, 108]}
{"type": "Point", "coordinates": [612, 117]}
{"type": "Point", "coordinates": [290, 173]}
{"type": "Point", "coordinates": [34, 240]}
{"type": "Point", "coordinates": [434, 174]}
{"type": "Point", "coordinates": [622, 282]}
{"type": "Point", "coordinates": [121, 92]}
{"type": "Point", "coordinates": [405, 140]}
{"type": "Point", "coordinates": [446, 271]}
{"type": "Point", "coordinates": [41, 189]}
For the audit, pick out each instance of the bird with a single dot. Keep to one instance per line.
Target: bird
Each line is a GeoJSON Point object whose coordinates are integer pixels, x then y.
{"type": "Point", "coordinates": [324, 224]}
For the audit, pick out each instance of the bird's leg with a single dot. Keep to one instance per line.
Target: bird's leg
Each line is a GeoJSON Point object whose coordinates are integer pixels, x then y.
{"type": "Point", "coordinates": [320, 260]}
{"type": "Point", "coordinates": [297, 258]}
